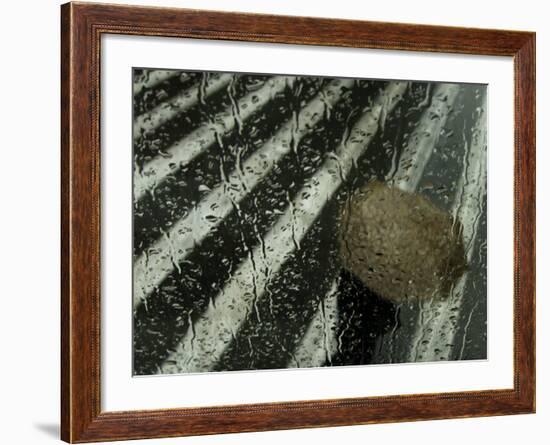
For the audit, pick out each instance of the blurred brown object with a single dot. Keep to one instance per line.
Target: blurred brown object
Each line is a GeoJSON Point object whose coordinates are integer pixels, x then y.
{"type": "Point", "coordinates": [400, 244]}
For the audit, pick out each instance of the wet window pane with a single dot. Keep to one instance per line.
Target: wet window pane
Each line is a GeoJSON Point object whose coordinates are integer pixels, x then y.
{"type": "Point", "coordinates": [297, 221]}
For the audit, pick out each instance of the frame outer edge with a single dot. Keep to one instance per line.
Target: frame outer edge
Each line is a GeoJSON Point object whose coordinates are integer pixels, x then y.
{"type": "Point", "coordinates": [79, 229]}
{"type": "Point", "coordinates": [525, 85]}
{"type": "Point", "coordinates": [66, 90]}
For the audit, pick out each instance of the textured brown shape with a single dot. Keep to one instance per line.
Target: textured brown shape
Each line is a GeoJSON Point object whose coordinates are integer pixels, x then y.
{"type": "Point", "coordinates": [400, 244]}
{"type": "Point", "coordinates": [82, 419]}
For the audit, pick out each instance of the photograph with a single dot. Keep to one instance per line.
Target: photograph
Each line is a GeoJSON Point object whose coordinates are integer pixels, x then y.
{"type": "Point", "coordinates": [301, 221]}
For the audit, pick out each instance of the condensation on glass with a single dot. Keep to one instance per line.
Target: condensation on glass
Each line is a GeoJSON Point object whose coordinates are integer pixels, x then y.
{"type": "Point", "coordinates": [295, 221]}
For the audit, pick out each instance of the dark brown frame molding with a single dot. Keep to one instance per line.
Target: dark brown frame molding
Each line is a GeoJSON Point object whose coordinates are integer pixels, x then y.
{"type": "Point", "coordinates": [82, 25]}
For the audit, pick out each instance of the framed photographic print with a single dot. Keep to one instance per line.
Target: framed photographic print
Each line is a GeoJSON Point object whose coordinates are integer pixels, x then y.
{"type": "Point", "coordinates": [275, 222]}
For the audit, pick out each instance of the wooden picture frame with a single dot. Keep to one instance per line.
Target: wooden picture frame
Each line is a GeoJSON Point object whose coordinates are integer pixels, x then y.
{"type": "Point", "coordinates": [82, 26]}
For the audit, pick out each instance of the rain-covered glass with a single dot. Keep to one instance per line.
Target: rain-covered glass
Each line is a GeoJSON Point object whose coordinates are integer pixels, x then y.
{"type": "Point", "coordinates": [297, 221]}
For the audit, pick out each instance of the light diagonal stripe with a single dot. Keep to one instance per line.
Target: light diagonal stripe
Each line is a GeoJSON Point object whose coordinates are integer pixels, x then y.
{"type": "Point", "coordinates": [467, 209]}
{"type": "Point", "coordinates": [207, 339]}
{"type": "Point", "coordinates": [153, 266]}
{"type": "Point", "coordinates": [163, 112]}
{"type": "Point", "coordinates": [319, 343]}
{"type": "Point", "coordinates": [153, 78]}
{"type": "Point", "coordinates": [195, 143]}
{"type": "Point", "coordinates": [422, 141]}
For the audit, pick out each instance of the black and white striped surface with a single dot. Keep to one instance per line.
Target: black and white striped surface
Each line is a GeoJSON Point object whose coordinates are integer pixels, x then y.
{"type": "Point", "coordinates": [238, 184]}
